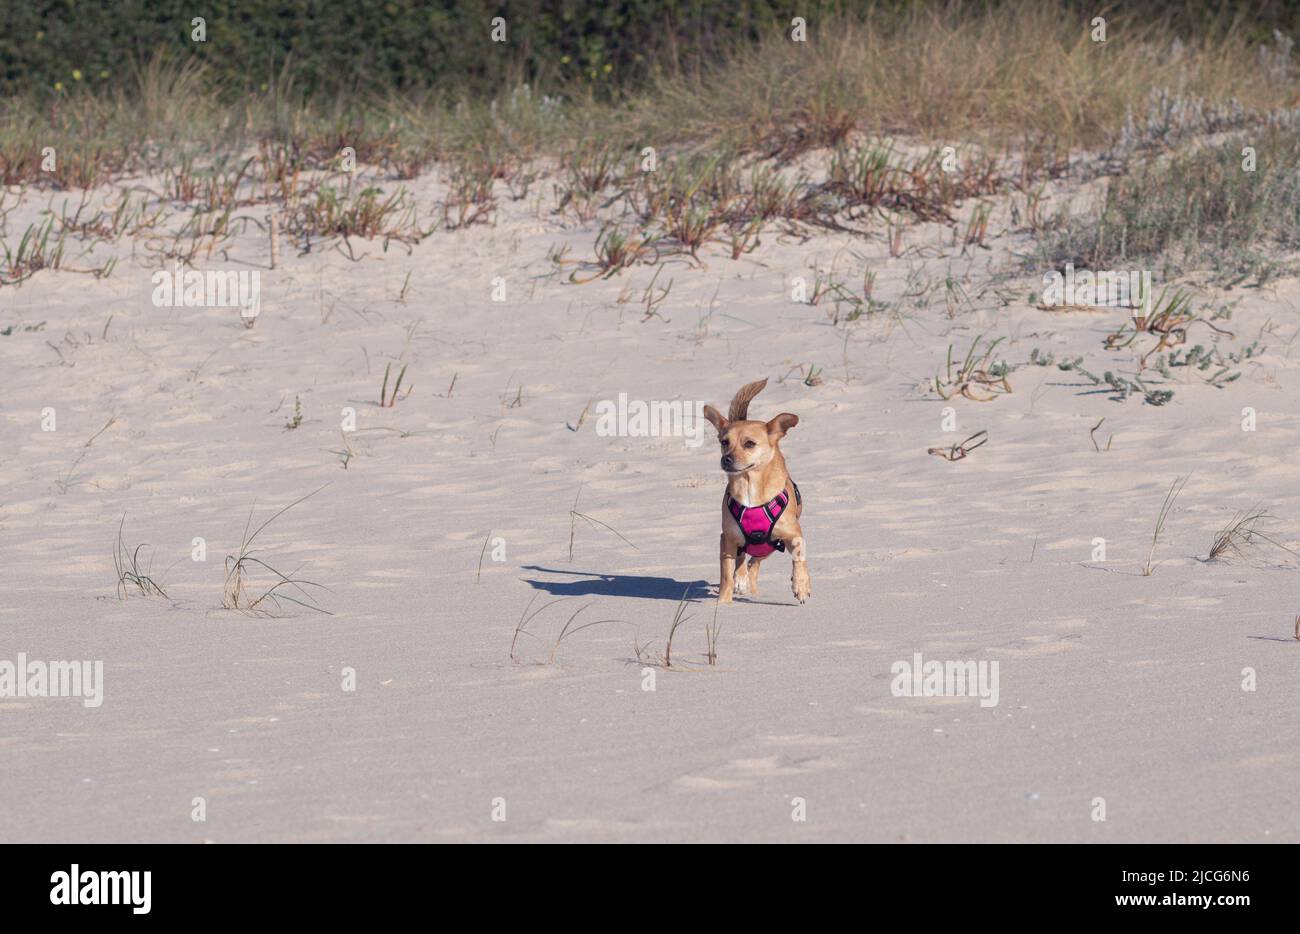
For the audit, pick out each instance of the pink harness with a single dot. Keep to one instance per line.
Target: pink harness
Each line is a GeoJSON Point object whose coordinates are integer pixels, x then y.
{"type": "Point", "coordinates": [757, 522]}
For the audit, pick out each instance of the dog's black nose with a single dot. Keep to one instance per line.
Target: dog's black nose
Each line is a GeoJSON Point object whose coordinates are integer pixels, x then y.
{"type": "Point", "coordinates": [727, 462]}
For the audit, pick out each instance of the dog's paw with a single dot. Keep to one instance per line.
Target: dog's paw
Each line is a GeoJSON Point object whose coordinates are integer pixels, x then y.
{"type": "Point", "coordinates": [801, 586]}
{"type": "Point", "coordinates": [742, 585]}
{"type": "Point", "coordinates": [724, 596]}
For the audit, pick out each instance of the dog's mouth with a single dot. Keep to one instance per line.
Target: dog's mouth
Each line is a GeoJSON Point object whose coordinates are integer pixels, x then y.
{"type": "Point", "coordinates": [737, 471]}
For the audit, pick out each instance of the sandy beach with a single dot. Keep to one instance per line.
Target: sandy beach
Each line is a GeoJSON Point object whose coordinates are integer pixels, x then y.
{"type": "Point", "coordinates": [1166, 700]}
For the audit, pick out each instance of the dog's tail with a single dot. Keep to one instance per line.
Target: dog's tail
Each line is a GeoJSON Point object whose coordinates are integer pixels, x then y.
{"type": "Point", "coordinates": [740, 403]}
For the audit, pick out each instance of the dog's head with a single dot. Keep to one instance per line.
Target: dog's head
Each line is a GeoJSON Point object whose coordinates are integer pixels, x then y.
{"type": "Point", "coordinates": [747, 444]}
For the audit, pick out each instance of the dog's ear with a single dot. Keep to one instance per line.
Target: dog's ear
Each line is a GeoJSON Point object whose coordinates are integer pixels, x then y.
{"type": "Point", "coordinates": [778, 426]}
{"type": "Point", "coordinates": [714, 416]}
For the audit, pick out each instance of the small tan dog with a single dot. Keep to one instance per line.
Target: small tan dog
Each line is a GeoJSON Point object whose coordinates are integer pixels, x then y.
{"type": "Point", "coordinates": [762, 505]}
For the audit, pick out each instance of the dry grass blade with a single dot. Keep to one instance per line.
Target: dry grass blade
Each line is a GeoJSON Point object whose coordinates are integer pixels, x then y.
{"type": "Point", "coordinates": [67, 479]}
{"type": "Point", "coordinates": [1242, 531]}
{"type": "Point", "coordinates": [235, 593]}
{"type": "Point", "coordinates": [711, 631]}
{"type": "Point", "coordinates": [678, 619]}
{"type": "Point", "coordinates": [126, 562]}
{"type": "Point", "coordinates": [1092, 434]}
{"type": "Point", "coordinates": [1238, 533]}
{"type": "Point", "coordinates": [569, 629]}
{"type": "Point", "coordinates": [574, 516]}
{"type": "Point", "coordinates": [386, 400]}
{"type": "Point", "coordinates": [479, 574]}
{"type": "Point", "coordinates": [1174, 489]}
{"type": "Point", "coordinates": [525, 619]}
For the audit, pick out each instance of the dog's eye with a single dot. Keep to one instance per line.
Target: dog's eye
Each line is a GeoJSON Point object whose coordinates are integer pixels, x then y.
{"type": "Point", "coordinates": [749, 444]}
{"type": "Point", "coordinates": [725, 442]}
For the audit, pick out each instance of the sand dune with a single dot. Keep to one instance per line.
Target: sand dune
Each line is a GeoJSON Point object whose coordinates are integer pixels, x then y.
{"type": "Point", "coordinates": [1113, 685]}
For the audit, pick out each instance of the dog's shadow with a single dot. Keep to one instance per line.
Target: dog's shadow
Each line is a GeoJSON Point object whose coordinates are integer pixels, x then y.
{"type": "Point", "coordinates": [618, 585]}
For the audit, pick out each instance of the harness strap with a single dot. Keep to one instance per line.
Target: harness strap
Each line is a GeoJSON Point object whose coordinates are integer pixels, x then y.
{"type": "Point", "coordinates": [758, 532]}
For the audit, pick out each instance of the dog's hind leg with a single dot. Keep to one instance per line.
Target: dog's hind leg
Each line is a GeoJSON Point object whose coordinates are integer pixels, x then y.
{"type": "Point", "coordinates": [744, 570]}
{"type": "Point", "coordinates": [753, 565]}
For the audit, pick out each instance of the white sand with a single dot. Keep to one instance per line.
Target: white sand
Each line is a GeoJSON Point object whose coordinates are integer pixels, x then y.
{"type": "Point", "coordinates": [1112, 685]}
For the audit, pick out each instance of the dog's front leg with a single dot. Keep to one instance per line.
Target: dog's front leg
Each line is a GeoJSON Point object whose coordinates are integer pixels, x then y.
{"type": "Point", "coordinates": [800, 585]}
{"type": "Point", "coordinates": [727, 582]}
